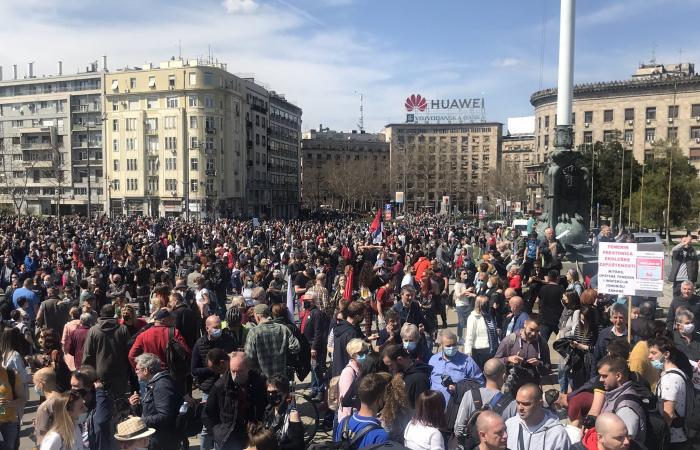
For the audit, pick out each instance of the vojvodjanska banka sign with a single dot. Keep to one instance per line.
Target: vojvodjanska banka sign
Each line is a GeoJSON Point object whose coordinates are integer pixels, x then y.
{"type": "Point", "coordinates": [450, 110]}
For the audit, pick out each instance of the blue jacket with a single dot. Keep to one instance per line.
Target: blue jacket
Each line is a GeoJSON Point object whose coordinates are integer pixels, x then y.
{"type": "Point", "coordinates": [519, 323]}
{"type": "Point", "coordinates": [356, 424]}
{"type": "Point", "coordinates": [99, 422]}
{"type": "Point", "coordinates": [459, 367]}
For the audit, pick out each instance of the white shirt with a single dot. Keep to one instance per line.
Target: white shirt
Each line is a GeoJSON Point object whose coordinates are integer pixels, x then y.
{"type": "Point", "coordinates": [407, 280]}
{"type": "Point", "coordinates": [476, 334]}
{"type": "Point", "coordinates": [52, 441]}
{"type": "Point", "coordinates": [421, 437]}
{"type": "Point", "coordinates": [671, 387]}
{"type": "Point", "coordinates": [459, 294]}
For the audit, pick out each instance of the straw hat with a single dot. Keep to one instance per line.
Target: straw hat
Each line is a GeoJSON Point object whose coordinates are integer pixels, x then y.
{"type": "Point", "coordinates": [131, 429]}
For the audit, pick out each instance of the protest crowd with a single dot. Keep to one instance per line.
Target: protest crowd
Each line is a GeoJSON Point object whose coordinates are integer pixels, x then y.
{"type": "Point", "coordinates": [157, 332]}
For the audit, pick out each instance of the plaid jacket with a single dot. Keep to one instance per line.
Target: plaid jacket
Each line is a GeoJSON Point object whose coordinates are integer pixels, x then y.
{"type": "Point", "coordinates": [267, 346]}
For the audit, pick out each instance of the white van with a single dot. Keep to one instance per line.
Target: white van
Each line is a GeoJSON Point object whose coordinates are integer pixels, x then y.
{"type": "Point", "coordinates": [521, 226]}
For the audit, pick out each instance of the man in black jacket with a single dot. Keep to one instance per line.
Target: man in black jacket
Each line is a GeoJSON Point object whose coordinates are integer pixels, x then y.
{"type": "Point", "coordinates": [684, 264]}
{"type": "Point", "coordinates": [159, 405]}
{"type": "Point", "coordinates": [314, 327]}
{"type": "Point", "coordinates": [237, 398]}
{"type": "Point", "coordinates": [416, 375]}
{"type": "Point", "coordinates": [215, 338]}
{"type": "Point", "coordinates": [344, 331]}
{"type": "Point", "coordinates": [185, 319]}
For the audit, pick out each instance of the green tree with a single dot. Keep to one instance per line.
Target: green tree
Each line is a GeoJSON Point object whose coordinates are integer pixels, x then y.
{"type": "Point", "coordinates": [685, 189]}
{"type": "Point", "coordinates": [604, 161]}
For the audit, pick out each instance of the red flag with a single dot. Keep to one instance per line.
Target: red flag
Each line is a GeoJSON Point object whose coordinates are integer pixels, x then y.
{"type": "Point", "coordinates": [376, 223]}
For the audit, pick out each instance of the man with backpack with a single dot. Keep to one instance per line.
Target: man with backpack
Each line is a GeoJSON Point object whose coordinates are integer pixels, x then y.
{"type": "Point", "coordinates": [476, 400]}
{"type": "Point", "coordinates": [363, 428]}
{"type": "Point", "coordinates": [623, 397]}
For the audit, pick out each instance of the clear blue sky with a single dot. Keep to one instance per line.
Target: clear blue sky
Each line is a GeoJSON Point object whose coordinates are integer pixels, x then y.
{"type": "Point", "coordinates": [323, 53]}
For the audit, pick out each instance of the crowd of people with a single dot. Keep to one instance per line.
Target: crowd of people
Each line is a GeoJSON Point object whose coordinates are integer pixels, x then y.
{"type": "Point", "coordinates": [145, 332]}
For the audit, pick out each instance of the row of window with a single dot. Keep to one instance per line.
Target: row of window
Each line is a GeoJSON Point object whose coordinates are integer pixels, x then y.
{"type": "Point", "coordinates": [171, 185]}
{"type": "Point", "coordinates": [650, 113]}
{"type": "Point", "coordinates": [170, 164]}
{"type": "Point", "coordinates": [151, 124]}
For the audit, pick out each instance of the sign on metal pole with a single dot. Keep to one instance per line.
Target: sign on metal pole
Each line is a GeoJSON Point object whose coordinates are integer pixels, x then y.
{"type": "Point", "coordinates": [399, 197]}
{"type": "Point", "coordinates": [479, 200]}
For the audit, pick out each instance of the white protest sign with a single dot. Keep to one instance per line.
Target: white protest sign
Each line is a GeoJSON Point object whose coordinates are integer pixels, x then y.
{"type": "Point", "coordinates": [617, 268]}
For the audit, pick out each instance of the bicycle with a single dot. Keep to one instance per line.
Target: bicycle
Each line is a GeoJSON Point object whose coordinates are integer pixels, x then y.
{"type": "Point", "coordinates": [307, 408]}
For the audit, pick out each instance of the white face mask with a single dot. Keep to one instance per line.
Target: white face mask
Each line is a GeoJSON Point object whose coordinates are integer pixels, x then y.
{"type": "Point", "coordinates": [688, 328]}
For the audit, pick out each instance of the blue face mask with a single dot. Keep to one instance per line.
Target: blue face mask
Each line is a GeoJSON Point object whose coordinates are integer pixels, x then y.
{"type": "Point", "coordinates": [658, 363]}
{"type": "Point", "coordinates": [449, 351]}
{"type": "Point", "coordinates": [361, 356]}
{"type": "Point", "coordinates": [39, 391]}
{"type": "Point", "coordinates": [409, 345]}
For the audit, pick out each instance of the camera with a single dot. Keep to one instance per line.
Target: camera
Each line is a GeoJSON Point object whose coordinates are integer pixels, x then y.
{"type": "Point", "coordinates": [446, 380]}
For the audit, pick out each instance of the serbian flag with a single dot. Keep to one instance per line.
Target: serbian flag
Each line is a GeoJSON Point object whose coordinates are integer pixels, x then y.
{"type": "Point", "coordinates": [290, 298]}
{"type": "Point", "coordinates": [377, 228]}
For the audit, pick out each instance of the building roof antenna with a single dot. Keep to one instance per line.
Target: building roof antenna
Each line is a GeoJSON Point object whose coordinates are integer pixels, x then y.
{"type": "Point", "coordinates": [361, 123]}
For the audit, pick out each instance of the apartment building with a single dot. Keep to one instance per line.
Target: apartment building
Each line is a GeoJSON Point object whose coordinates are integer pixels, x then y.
{"type": "Point", "coordinates": [283, 158]}
{"type": "Point", "coordinates": [51, 155]}
{"type": "Point", "coordinates": [175, 137]}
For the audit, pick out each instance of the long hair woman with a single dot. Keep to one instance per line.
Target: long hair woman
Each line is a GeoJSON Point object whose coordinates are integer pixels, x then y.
{"type": "Point", "coordinates": [69, 412]}
{"type": "Point", "coordinates": [481, 336]}
{"type": "Point", "coordinates": [397, 411]}
{"type": "Point", "coordinates": [585, 336]}
{"type": "Point", "coordinates": [424, 431]}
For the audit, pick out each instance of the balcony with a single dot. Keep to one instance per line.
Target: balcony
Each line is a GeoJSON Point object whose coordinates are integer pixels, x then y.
{"type": "Point", "coordinates": [151, 132]}
{"type": "Point", "coordinates": [38, 164]}
{"type": "Point", "coordinates": [37, 146]}
{"type": "Point", "coordinates": [210, 130]}
{"type": "Point", "coordinates": [85, 109]}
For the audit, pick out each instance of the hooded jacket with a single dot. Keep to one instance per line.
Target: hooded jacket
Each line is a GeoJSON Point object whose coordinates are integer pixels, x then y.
{"type": "Point", "coordinates": [106, 350]}
{"type": "Point", "coordinates": [417, 380]}
{"type": "Point", "coordinates": [549, 434]}
{"type": "Point", "coordinates": [630, 411]}
{"type": "Point", "coordinates": [343, 333]}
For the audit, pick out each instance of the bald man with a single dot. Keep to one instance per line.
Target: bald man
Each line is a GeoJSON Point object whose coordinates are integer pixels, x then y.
{"type": "Point", "coordinates": [492, 431]}
{"type": "Point", "coordinates": [515, 320]}
{"type": "Point", "coordinates": [491, 395]}
{"type": "Point", "coordinates": [214, 338]}
{"type": "Point", "coordinates": [610, 433]}
{"type": "Point", "coordinates": [535, 428]}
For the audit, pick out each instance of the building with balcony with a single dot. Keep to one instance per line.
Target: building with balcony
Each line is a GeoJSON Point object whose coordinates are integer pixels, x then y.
{"type": "Point", "coordinates": [257, 121]}
{"type": "Point", "coordinates": [51, 142]}
{"type": "Point", "coordinates": [340, 168]}
{"type": "Point", "coordinates": [429, 161]}
{"type": "Point", "coordinates": [176, 140]}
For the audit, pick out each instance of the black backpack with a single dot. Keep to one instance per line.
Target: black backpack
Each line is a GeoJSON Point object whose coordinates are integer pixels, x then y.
{"type": "Point", "coordinates": [658, 433]}
{"type": "Point", "coordinates": [176, 356]}
{"type": "Point", "coordinates": [461, 388]}
{"type": "Point", "coordinates": [348, 440]}
{"type": "Point", "coordinates": [498, 404]}
{"type": "Point", "coordinates": [189, 423]}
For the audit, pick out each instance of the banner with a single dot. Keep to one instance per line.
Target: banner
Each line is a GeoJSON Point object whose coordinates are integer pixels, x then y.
{"type": "Point", "coordinates": [387, 211]}
{"type": "Point", "coordinates": [625, 269]}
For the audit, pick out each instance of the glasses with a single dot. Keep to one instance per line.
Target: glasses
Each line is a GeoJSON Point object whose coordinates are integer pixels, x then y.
{"type": "Point", "coordinates": [140, 369]}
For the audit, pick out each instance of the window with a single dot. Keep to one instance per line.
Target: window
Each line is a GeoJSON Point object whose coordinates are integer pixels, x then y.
{"type": "Point", "coordinates": [151, 102]}
{"type": "Point", "coordinates": [588, 116]}
{"type": "Point", "coordinates": [115, 185]}
{"type": "Point", "coordinates": [194, 142]}
{"type": "Point", "coordinates": [133, 103]}
{"type": "Point", "coordinates": [629, 136]}
{"type": "Point", "coordinates": [131, 144]}
{"type": "Point", "coordinates": [210, 186]}
{"type": "Point", "coordinates": [193, 78]}
{"type": "Point", "coordinates": [695, 111]}
{"type": "Point", "coordinates": [170, 185]}
{"type": "Point", "coordinates": [209, 123]}
{"type": "Point", "coordinates": [115, 124]}
{"type": "Point", "coordinates": [171, 81]}
{"type": "Point", "coordinates": [573, 118]}
{"type": "Point", "coordinates": [208, 78]}
{"type": "Point", "coordinates": [194, 164]}
{"type": "Point", "coordinates": [170, 163]}
{"type": "Point", "coordinates": [170, 122]}
{"type": "Point", "coordinates": [629, 113]}
{"type": "Point", "coordinates": [650, 134]}
{"type": "Point", "coordinates": [209, 145]}
{"type": "Point", "coordinates": [673, 112]}
{"type": "Point", "coordinates": [115, 145]}
{"type": "Point", "coordinates": [193, 101]}
{"type": "Point", "coordinates": [587, 137]}
{"type": "Point", "coordinates": [131, 164]}
{"type": "Point", "coordinates": [651, 113]}
{"type": "Point", "coordinates": [694, 132]}
{"type": "Point", "coordinates": [208, 101]}
{"type": "Point", "coordinates": [152, 144]}
{"type": "Point", "coordinates": [546, 140]}
{"type": "Point", "coordinates": [151, 82]}
{"type": "Point", "coordinates": [608, 115]}
{"type": "Point", "coordinates": [608, 135]}
{"type": "Point", "coordinates": [132, 83]}
{"type": "Point", "coordinates": [130, 124]}
{"type": "Point", "coordinates": [546, 122]}
{"type": "Point", "coordinates": [672, 133]}
{"type": "Point", "coordinates": [132, 184]}
{"type": "Point", "coordinates": [151, 124]}
{"type": "Point", "coordinates": [171, 143]}
{"type": "Point", "coordinates": [116, 165]}
{"type": "Point", "coordinates": [115, 106]}
{"type": "Point", "coordinates": [193, 122]}
{"type": "Point", "coordinates": [172, 102]}
{"type": "Point", "coordinates": [193, 185]}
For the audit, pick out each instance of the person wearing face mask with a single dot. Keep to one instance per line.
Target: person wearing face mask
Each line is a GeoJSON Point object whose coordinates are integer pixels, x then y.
{"type": "Point", "coordinates": [416, 375]}
{"type": "Point", "coordinates": [281, 415]}
{"type": "Point", "coordinates": [450, 366]}
{"type": "Point", "coordinates": [68, 418]}
{"type": "Point", "coordinates": [357, 351]}
{"type": "Point", "coordinates": [237, 398]}
{"type": "Point", "coordinates": [415, 343]}
{"type": "Point", "coordinates": [133, 434]}
{"type": "Point", "coordinates": [675, 403]}
{"type": "Point", "coordinates": [215, 338]}
{"type": "Point", "coordinates": [685, 337]}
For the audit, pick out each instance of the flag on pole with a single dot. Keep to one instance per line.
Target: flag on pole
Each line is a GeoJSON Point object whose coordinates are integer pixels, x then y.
{"type": "Point", "coordinates": [377, 228]}
{"type": "Point", "coordinates": [290, 298]}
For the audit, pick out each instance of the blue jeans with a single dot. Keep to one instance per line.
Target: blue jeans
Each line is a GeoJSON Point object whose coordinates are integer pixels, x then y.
{"type": "Point", "coordinates": [206, 439]}
{"type": "Point", "coordinates": [462, 314]}
{"type": "Point", "coordinates": [563, 376]}
{"type": "Point", "coordinates": [9, 431]}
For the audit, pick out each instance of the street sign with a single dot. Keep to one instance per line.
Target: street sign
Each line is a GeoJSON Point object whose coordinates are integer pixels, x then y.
{"type": "Point", "coordinates": [399, 197]}
{"type": "Point", "coordinates": [479, 200]}
{"type": "Point", "coordinates": [387, 211]}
